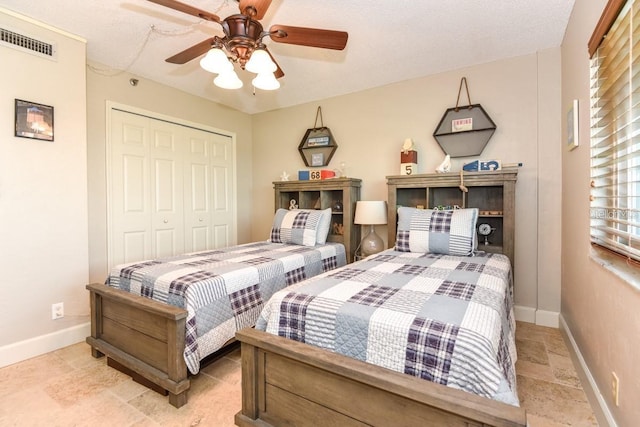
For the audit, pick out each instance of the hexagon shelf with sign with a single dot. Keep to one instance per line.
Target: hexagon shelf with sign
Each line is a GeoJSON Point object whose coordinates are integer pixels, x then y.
{"type": "Point", "coordinates": [464, 131]}
{"type": "Point", "coordinates": [317, 147]}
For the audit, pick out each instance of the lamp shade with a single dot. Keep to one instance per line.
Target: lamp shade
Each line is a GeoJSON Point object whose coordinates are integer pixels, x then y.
{"type": "Point", "coordinates": [216, 61]}
{"type": "Point", "coordinates": [228, 80]}
{"type": "Point", "coordinates": [371, 212]}
{"type": "Point", "coordinates": [266, 81]}
{"type": "Point", "coordinates": [260, 62]}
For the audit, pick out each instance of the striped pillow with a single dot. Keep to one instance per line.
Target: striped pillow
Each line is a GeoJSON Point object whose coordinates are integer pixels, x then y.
{"type": "Point", "coordinates": [298, 226]}
{"type": "Point", "coordinates": [450, 232]}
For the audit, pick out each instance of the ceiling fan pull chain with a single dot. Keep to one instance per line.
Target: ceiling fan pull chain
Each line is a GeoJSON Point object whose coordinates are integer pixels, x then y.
{"type": "Point", "coordinates": [318, 113]}
{"type": "Point", "coordinates": [464, 79]}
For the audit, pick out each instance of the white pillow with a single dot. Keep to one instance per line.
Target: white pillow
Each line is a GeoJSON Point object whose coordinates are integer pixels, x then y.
{"type": "Point", "coordinates": [323, 226]}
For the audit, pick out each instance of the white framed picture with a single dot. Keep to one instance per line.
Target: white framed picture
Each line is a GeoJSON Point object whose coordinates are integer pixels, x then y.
{"type": "Point", "coordinates": [572, 126]}
{"type": "Point", "coordinates": [317, 159]}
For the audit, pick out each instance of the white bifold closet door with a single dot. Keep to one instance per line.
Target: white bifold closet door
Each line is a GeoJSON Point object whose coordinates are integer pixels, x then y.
{"type": "Point", "coordinates": [170, 188]}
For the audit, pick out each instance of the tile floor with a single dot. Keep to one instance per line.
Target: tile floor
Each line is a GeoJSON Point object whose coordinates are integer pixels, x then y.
{"type": "Point", "coordinates": [68, 387]}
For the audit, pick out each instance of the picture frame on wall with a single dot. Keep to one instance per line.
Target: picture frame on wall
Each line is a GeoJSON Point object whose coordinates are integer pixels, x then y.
{"type": "Point", "coordinates": [572, 125]}
{"type": "Point", "coordinates": [33, 120]}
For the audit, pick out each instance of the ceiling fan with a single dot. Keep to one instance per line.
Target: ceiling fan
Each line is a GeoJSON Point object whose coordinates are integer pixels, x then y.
{"type": "Point", "coordinates": [244, 35]}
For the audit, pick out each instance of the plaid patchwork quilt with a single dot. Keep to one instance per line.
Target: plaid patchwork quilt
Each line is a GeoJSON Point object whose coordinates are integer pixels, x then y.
{"type": "Point", "coordinates": [446, 319]}
{"type": "Point", "coordinates": [223, 290]}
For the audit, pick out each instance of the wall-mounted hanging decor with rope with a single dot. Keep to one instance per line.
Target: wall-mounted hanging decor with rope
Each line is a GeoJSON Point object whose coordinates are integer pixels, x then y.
{"type": "Point", "coordinates": [317, 145]}
{"type": "Point", "coordinates": [464, 131]}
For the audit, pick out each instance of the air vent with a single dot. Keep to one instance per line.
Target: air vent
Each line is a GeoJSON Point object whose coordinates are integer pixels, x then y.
{"type": "Point", "coordinates": [27, 44]}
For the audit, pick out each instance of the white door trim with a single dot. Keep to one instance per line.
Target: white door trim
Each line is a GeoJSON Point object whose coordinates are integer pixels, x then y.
{"type": "Point", "coordinates": [110, 106]}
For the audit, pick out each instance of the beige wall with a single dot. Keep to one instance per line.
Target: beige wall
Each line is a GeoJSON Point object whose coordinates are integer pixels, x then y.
{"type": "Point", "coordinates": [43, 194]}
{"type": "Point", "coordinates": [159, 99]}
{"type": "Point", "coordinates": [602, 311]}
{"type": "Point", "coordinates": [521, 95]}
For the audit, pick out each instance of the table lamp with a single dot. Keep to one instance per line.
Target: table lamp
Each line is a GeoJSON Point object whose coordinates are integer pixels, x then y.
{"type": "Point", "coordinates": [370, 213]}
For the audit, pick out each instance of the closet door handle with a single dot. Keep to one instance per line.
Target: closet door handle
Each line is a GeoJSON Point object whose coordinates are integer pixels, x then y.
{"type": "Point", "coordinates": [165, 221]}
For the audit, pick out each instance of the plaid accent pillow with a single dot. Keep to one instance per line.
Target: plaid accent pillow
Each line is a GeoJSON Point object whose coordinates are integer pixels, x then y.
{"type": "Point", "coordinates": [298, 226]}
{"type": "Point", "coordinates": [450, 232]}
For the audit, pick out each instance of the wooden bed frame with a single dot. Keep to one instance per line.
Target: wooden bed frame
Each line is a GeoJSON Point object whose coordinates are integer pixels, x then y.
{"type": "Point", "coordinates": [288, 383]}
{"type": "Point", "coordinates": [145, 337]}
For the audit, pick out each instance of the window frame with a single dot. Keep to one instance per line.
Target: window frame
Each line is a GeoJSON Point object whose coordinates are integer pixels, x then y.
{"type": "Point", "coordinates": [612, 198]}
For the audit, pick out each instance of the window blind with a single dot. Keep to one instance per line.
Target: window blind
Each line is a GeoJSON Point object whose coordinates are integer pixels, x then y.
{"type": "Point", "coordinates": [615, 135]}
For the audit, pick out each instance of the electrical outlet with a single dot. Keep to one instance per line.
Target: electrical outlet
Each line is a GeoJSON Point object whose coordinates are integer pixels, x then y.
{"type": "Point", "coordinates": [57, 311]}
{"type": "Point", "coordinates": [615, 387]}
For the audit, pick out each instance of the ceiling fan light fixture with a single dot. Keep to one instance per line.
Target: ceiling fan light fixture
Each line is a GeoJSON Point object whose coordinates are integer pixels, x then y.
{"type": "Point", "coordinates": [266, 81]}
{"type": "Point", "coordinates": [228, 80]}
{"type": "Point", "coordinates": [216, 61]}
{"type": "Point", "coordinates": [260, 62]}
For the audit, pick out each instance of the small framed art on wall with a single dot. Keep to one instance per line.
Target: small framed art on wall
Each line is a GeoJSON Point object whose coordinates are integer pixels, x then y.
{"type": "Point", "coordinates": [572, 125]}
{"type": "Point", "coordinates": [33, 120]}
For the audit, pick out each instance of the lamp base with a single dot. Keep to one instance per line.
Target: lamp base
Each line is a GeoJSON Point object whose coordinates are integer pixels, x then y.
{"type": "Point", "coordinates": [371, 243]}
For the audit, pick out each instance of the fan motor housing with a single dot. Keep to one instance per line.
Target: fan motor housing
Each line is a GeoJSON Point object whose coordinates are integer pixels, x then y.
{"type": "Point", "coordinates": [242, 35]}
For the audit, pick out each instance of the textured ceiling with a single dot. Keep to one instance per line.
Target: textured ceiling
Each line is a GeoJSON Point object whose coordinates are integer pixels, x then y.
{"type": "Point", "coordinates": [389, 41]}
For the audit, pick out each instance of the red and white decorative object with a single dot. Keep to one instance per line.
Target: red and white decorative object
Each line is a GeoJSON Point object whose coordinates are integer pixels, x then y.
{"type": "Point", "coordinates": [408, 158]}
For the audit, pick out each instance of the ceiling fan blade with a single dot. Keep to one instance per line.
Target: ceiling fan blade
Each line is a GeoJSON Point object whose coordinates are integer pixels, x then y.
{"type": "Point", "coordinates": [278, 73]}
{"type": "Point", "coordinates": [188, 9]}
{"type": "Point", "coordinates": [260, 6]}
{"type": "Point", "coordinates": [327, 39]}
{"type": "Point", "coordinates": [192, 52]}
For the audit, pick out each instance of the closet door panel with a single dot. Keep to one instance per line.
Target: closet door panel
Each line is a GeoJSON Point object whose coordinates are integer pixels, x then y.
{"type": "Point", "coordinates": [198, 212]}
{"type": "Point", "coordinates": [129, 200]}
{"type": "Point", "coordinates": [223, 215]}
{"type": "Point", "coordinates": [167, 195]}
{"type": "Point", "coordinates": [134, 245]}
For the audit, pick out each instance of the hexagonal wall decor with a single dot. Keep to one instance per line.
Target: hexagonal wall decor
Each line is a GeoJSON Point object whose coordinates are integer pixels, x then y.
{"type": "Point", "coordinates": [464, 131]}
{"type": "Point", "coordinates": [317, 147]}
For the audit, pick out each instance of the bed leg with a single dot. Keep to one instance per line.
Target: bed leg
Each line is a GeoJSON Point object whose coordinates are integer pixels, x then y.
{"type": "Point", "coordinates": [179, 399]}
{"type": "Point", "coordinates": [96, 353]}
{"type": "Point", "coordinates": [250, 383]}
{"type": "Point", "coordinates": [95, 302]}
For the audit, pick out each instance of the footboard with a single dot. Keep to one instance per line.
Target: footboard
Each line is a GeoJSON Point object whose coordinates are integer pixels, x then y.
{"type": "Point", "coordinates": [144, 336]}
{"type": "Point", "coordinates": [285, 382]}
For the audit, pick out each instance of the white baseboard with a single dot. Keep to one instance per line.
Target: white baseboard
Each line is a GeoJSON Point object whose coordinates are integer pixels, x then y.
{"type": "Point", "coordinates": [23, 350]}
{"type": "Point", "coordinates": [602, 412]}
{"type": "Point", "coordinates": [537, 317]}
{"type": "Point", "coordinates": [525, 314]}
{"type": "Point", "coordinates": [550, 319]}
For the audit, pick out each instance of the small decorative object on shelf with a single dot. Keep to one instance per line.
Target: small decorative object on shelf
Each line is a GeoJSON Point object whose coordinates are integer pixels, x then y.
{"type": "Point", "coordinates": [482, 165]}
{"type": "Point", "coordinates": [284, 176]}
{"type": "Point", "coordinates": [293, 204]}
{"type": "Point", "coordinates": [445, 166]}
{"type": "Point", "coordinates": [485, 230]}
{"type": "Point", "coordinates": [408, 158]}
{"type": "Point", "coordinates": [338, 229]}
{"type": "Point", "coordinates": [315, 175]}
{"type": "Point", "coordinates": [489, 213]}
{"type": "Point", "coordinates": [341, 172]}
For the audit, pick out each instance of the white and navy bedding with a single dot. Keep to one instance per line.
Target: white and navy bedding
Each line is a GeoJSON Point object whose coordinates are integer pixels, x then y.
{"type": "Point", "coordinates": [224, 290]}
{"type": "Point", "coordinates": [446, 319]}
